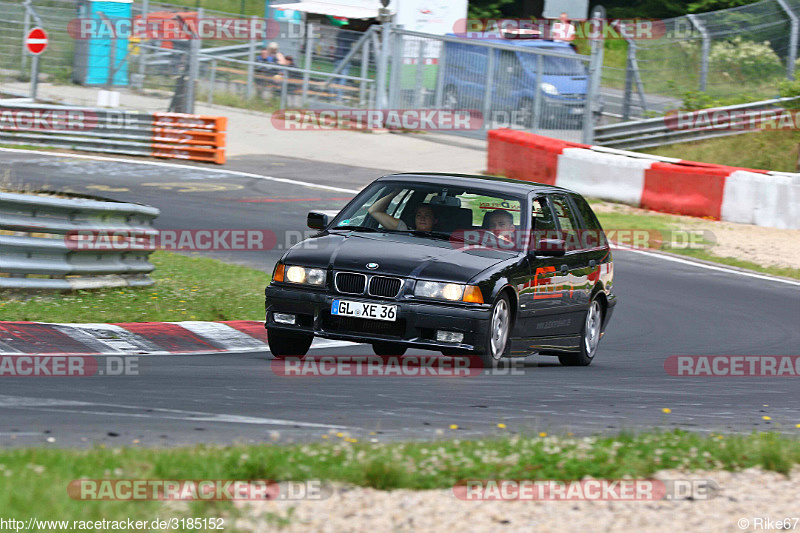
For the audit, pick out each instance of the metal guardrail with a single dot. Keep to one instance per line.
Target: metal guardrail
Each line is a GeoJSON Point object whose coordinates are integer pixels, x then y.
{"type": "Point", "coordinates": [167, 135]}
{"type": "Point", "coordinates": [659, 131]}
{"type": "Point", "coordinates": [37, 250]}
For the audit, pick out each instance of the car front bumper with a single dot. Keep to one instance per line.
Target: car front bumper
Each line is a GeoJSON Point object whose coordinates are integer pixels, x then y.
{"type": "Point", "coordinates": [415, 326]}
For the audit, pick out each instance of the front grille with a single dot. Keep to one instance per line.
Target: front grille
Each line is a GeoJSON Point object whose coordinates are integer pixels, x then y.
{"type": "Point", "coordinates": [346, 324]}
{"type": "Point", "coordinates": [381, 286]}
{"type": "Point", "coordinates": [349, 283]}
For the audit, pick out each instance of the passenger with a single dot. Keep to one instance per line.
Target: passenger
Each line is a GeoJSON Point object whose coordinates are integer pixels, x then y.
{"type": "Point", "coordinates": [424, 217]}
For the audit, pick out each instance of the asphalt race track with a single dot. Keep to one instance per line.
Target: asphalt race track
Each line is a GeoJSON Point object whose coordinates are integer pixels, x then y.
{"type": "Point", "coordinates": [666, 308]}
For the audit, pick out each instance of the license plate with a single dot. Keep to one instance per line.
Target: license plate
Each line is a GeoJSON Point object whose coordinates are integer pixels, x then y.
{"type": "Point", "coordinates": [364, 310]}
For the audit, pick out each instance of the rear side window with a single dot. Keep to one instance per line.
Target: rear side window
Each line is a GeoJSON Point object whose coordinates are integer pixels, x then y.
{"type": "Point", "coordinates": [592, 234]}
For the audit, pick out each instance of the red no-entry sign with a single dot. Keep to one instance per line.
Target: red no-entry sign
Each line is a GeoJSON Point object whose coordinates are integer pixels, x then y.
{"type": "Point", "coordinates": [36, 41]}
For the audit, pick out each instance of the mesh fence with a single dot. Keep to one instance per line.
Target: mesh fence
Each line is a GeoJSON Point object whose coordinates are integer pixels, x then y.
{"type": "Point", "coordinates": [742, 52]}
{"type": "Point", "coordinates": [56, 63]}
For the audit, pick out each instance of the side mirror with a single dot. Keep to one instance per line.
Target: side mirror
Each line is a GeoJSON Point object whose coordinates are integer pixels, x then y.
{"type": "Point", "coordinates": [551, 247]}
{"type": "Point", "coordinates": [317, 220]}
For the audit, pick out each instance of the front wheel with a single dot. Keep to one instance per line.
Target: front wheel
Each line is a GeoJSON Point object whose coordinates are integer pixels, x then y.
{"type": "Point", "coordinates": [497, 342]}
{"type": "Point", "coordinates": [590, 338]}
{"type": "Point", "coordinates": [284, 345]}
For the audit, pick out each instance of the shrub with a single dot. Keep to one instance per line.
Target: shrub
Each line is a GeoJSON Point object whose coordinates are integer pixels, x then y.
{"type": "Point", "coordinates": [742, 61]}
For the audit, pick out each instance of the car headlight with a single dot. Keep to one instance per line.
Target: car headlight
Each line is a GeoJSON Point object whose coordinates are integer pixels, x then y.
{"type": "Point", "coordinates": [434, 289]}
{"type": "Point", "coordinates": [549, 88]}
{"type": "Point", "coordinates": [305, 276]}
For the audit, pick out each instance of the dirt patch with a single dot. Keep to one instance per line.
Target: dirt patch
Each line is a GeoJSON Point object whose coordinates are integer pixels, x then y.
{"type": "Point", "coordinates": [745, 495]}
{"type": "Point", "coordinates": [765, 246]}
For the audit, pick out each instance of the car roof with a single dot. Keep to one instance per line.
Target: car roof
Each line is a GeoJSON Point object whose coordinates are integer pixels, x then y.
{"type": "Point", "coordinates": [526, 43]}
{"type": "Point", "coordinates": [499, 184]}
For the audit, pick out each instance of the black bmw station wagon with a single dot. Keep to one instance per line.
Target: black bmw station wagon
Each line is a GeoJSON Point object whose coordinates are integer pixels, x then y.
{"type": "Point", "coordinates": [459, 264]}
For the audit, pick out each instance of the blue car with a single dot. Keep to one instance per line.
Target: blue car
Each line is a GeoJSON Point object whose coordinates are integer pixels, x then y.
{"type": "Point", "coordinates": [562, 84]}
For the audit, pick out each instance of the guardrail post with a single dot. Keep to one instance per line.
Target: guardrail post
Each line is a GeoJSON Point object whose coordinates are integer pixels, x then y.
{"type": "Point", "coordinates": [706, 49]}
{"type": "Point", "coordinates": [308, 61]}
{"type": "Point", "coordinates": [251, 59]}
{"type": "Point", "coordinates": [792, 39]}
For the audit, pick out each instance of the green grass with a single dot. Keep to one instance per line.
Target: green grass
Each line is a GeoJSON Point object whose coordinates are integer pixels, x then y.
{"type": "Point", "coordinates": [186, 288]}
{"type": "Point", "coordinates": [772, 150]}
{"type": "Point", "coordinates": [33, 481]}
{"type": "Point", "coordinates": [665, 223]}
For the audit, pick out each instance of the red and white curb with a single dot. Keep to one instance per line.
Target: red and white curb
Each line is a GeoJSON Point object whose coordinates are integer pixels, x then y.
{"type": "Point", "coordinates": [138, 338]}
{"type": "Point", "coordinates": [748, 196]}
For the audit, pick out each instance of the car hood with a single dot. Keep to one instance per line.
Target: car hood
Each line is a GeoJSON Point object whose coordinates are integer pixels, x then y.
{"type": "Point", "coordinates": [396, 254]}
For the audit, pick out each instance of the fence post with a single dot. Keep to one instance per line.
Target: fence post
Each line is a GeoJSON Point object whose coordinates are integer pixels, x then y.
{"type": "Point", "coordinates": [700, 27]}
{"type": "Point", "coordinates": [537, 96]}
{"type": "Point", "coordinates": [420, 80]}
{"type": "Point", "coordinates": [792, 39]}
{"type": "Point", "coordinates": [212, 81]}
{"type": "Point", "coordinates": [194, 66]}
{"type": "Point", "coordinates": [308, 59]}
{"type": "Point", "coordinates": [487, 91]}
{"type": "Point", "coordinates": [595, 73]}
{"type": "Point", "coordinates": [395, 78]}
{"type": "Point", "coordinates": [251, 58]}
{"type": "Point", "coordinates": [362, 86]}
{"type": "Point", "coordinates": [26, 28]}
{"type": "Point", "coordinates": [142, 49]}
{"type": "Point", "coordinates": [440, 72]}
{"type": "Point", "coordinates": [383, 65]}
{"type": "Point", "coordinates": [626, 102]}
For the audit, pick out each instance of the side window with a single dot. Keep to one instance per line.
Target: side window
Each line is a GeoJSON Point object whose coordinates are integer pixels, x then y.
{"type": "Point", "coordinates": [567, 221]}
{"type": "Point", "coordinates": [592, 235]}
{"type": "Point", "coordinates": [542, 215]}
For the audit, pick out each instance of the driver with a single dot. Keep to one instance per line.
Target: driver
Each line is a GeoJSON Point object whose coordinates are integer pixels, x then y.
{"type": "Point", "coordinates": [424, 218]}
{"type": "Point", "coordinates": [501, 223]}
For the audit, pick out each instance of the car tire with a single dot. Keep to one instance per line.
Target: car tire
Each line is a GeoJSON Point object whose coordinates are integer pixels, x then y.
{"type": "Point", "coordinates": [388, 348]}
{"type": "Point", "coordinates": [590, 337]}
{"type": "Point", "coordinates": [498, 335]}
{"type": "Point", "coordinates": [284, 345]}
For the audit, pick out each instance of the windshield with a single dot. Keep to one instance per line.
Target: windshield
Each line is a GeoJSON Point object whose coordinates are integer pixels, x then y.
{"type": "Point", "coordinates": [553, 66]}
{"type": "Point", "coordinates": [435, 212]}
